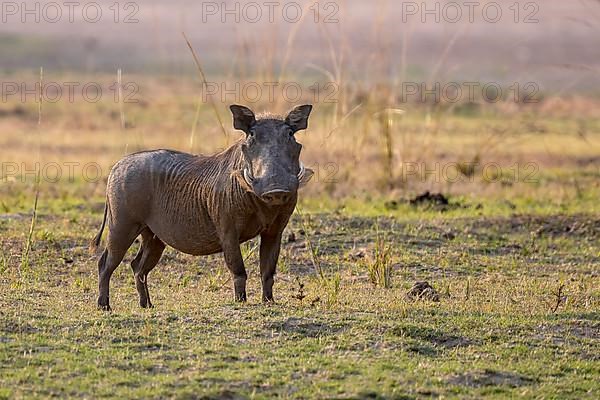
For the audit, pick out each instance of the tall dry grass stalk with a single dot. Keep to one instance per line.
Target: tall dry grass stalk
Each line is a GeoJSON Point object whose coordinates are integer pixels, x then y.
{"type": "Point", "coordinates": [41, 97]}
{"type": "Point", "coordinates": [25, 257]}
{"type": "Point", "coordinates": [386, 119]}
{"type": "Point", "coordinates": [290, 41]}
{"type": "Point", "coordinates": [205, 86]}
{"type": "Point", "coordinates": [337, 64]}
{"type": "Point", "coordinates": [195, 123]}
{"type": "Point", "coordinates": [120, 98]}
{"type": "Point", "coordinates": [380, 268]}
{"type": "Point", "coordinates": [313, 252]}
{"type": "Point", "coordinates": [24, 266]}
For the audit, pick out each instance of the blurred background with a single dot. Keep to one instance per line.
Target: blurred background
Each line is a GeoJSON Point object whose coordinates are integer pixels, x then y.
{"type": "Point", "coordinates": [390, 81]}
{"type": "Point", "coordinates": [552, 42]}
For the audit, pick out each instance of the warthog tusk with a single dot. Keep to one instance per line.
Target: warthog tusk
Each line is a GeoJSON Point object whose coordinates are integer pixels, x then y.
{"type": "Point", "coordinates": [302, 171]}
{"type": "Point", "coordinates": [248, 177]}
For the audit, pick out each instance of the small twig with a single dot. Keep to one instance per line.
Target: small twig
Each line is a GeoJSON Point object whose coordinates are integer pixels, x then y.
{"type": "Point", "coordinates": [344, 118]}
{"type": "Point", "coordinates": [559, 297]}
{"type": "Point", "coordinates": [224, 284]}
{"type": "Point", "coordinates": [252, 250]}
{"type": "Point", "coordinates": [300, 296]}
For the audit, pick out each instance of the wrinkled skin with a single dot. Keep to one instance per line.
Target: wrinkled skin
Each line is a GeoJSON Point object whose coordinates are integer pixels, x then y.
{"type": "Point", "coordinates": [206, 204]}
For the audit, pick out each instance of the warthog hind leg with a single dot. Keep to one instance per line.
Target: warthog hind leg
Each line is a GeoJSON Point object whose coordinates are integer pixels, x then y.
{"type": "Point", "coordinates": [146, 259]}
{"type": "Point", "coordinates": [118, 240]}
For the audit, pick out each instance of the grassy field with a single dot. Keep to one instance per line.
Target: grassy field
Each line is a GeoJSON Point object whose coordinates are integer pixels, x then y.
{"type": "Point", "coordinates": [501, 326]}
{"type": "Point", "coordinates": [515, 264]}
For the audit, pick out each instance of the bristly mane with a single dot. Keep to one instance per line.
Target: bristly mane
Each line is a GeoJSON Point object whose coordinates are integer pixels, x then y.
{"type": "Point", "coordinates": [268, 115]}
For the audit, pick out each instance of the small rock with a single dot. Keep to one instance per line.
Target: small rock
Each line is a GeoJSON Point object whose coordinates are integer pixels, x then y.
{"type": "Point", "coordinates": [430, 198]}
{"type": "Point", "coordinates": [358, 253]}
{"type": "Point", "coordinates": [291, 237]}
{"type": "Point", "coordinates": [510, 205]}
{"type": "Point", "coordinates": [423, 291]}
{"type": "Point", "coordinates": [448, 235]}
{"type": "Point", "coordinates": [391, 205]}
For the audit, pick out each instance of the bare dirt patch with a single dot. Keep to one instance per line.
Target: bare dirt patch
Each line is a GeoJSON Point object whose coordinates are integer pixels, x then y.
{"type": "Point", "coordinates": [436, 337]}
{"type": "Point", "coordinates": [490, 378]}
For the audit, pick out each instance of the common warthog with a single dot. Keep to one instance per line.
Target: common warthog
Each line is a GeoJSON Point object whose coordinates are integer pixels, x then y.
{"type": "Point", "coordinates": [206, 204]}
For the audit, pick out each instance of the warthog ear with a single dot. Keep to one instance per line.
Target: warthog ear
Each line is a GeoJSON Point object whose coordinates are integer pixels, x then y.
{"type": "Point", "coordinates": [297, 119]}
{"type": "Point", "coordinates": [243, 118]}
{"type": "Point", "coordinates": [308, 174]}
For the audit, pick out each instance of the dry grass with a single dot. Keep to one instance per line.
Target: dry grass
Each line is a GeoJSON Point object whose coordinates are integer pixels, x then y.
{"type": "Point", "coordinates": [498, 329]}
{"type": "Point", "coordinates": [364, 140]}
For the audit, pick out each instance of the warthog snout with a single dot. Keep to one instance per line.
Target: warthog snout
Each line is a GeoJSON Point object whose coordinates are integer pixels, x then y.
{"type": "Point", "coordinates": [276, 197]}
{"type": "Point", "coordinates": [278, 187]}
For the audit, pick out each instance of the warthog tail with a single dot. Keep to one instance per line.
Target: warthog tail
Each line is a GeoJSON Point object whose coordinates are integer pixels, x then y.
{"type": "Point", "coordinates": [98, 238]}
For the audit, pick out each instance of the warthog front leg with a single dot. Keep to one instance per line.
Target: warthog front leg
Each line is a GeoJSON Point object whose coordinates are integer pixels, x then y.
{"type": "Point", "coordinates": [269, 254]}
{"type": "Point", "coordinates": [235, 263]}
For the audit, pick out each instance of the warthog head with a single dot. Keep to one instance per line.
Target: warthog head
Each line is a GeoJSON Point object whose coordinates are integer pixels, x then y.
{"type": "Point", "coordinates": [272, 170]}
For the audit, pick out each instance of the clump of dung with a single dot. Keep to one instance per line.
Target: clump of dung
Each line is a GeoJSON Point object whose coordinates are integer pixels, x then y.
{"type": "Point", "coordinates": [423, 291]}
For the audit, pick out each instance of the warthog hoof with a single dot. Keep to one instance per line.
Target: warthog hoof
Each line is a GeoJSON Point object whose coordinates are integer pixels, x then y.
{"type": "Point", "coordinates": [103, 303]}
{"type": "Point", "coordinates": [240, 297]}
{"type": "Point", "coordinates": [147, 305]}
{"type": "Point", "coordinates": [268, 299]}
